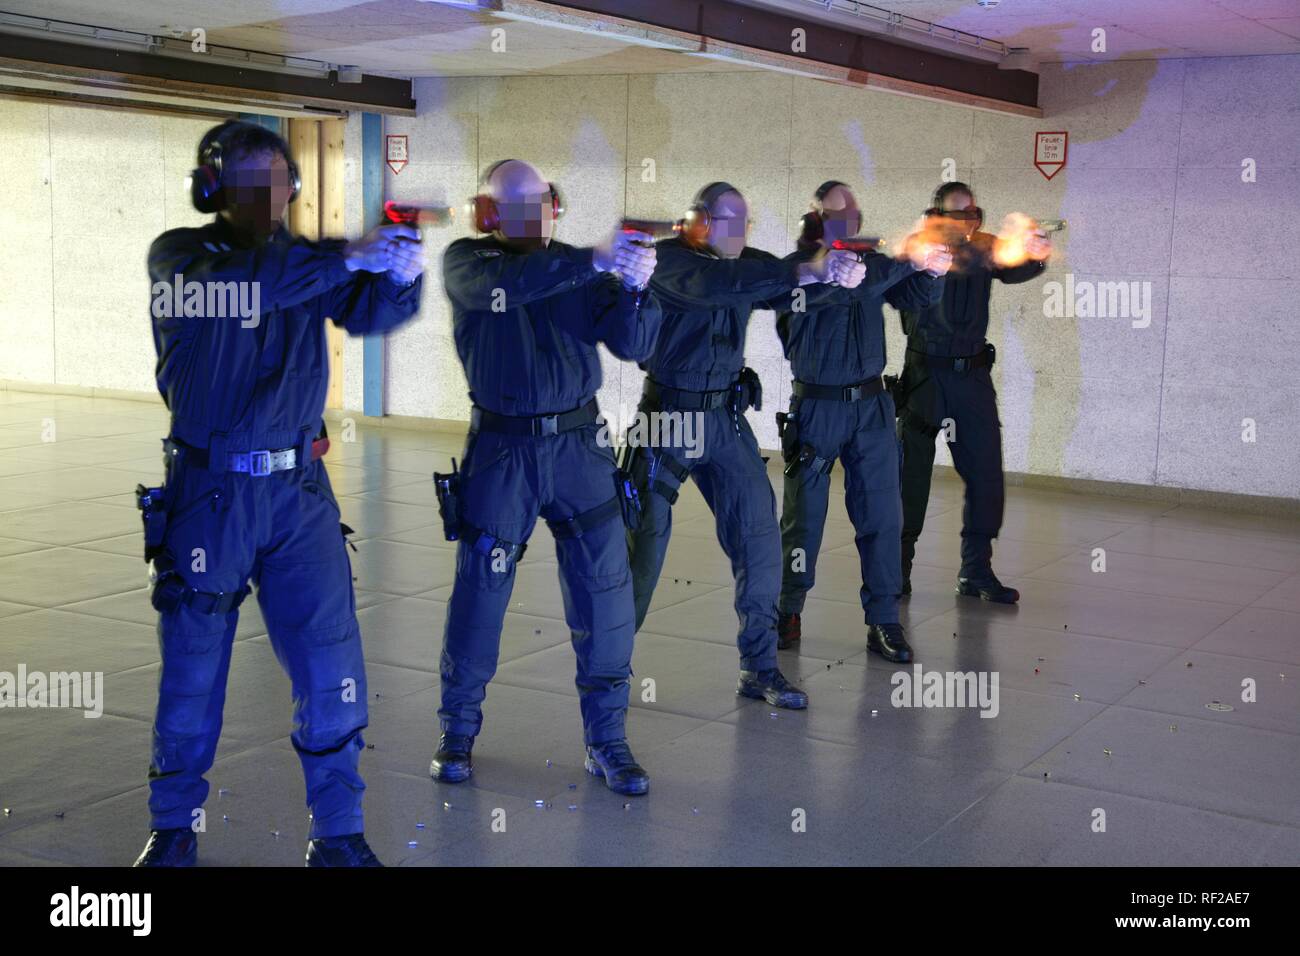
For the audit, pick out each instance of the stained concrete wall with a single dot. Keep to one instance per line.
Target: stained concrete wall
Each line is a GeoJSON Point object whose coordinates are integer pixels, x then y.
{"type": "Point", "coordinates": [1153, 193]}
{"type": "Point", "coordinates": [83, 192]}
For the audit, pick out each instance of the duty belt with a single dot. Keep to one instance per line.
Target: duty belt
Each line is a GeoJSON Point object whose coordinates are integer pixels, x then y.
{"type": "Point", "coordinates": [685, 400]}
{"type": "Point", "coordinates": [258, 463]}
{"type": "Point", "coordinates": [838, 393]}
{"type": "Point", "coordinates": [957, 363]}
{"type": "Point", "coordinates": [481, 419]}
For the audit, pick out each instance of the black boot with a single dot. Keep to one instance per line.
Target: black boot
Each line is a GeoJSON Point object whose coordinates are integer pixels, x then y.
{"type": "Point", "coordinates": [987, 586]}
{"type": "Point", "coordinates": [771, 686]}
{"type": "Point", "coordinates": [173, 847]}
{"type": "Point", "coordinates": [350, 850]}
{"type": "Point", "coordinates": [889, 641]}
{"type": "Point", "coordinates": [614, 762]}
{"type": "Point", "coordinates": [453, 761]}
{"type": "Point", "coordinates": [788, 633]}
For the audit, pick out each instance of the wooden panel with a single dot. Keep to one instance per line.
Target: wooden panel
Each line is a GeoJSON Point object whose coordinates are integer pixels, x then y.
{"type": "Point", "coordinates": [332, 226]}
{"type": "Point", "coordinates": [318, 149]}
{"type": "Point", "coordinates": [304, 141]}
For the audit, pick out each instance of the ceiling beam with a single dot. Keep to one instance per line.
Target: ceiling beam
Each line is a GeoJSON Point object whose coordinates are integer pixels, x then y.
{"type": "Point", "coordinates": [833, 52]}
{"type": "Point", "coordinates": [148, 71]}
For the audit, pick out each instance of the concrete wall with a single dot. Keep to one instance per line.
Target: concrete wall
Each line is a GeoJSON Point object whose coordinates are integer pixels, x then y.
{"type": "Point", "coordinates": [1153, 193]}
{"type": "Point", "coordinates": [83, 192]}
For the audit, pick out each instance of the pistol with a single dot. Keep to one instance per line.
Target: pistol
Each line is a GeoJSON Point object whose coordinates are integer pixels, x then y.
{"type": "Point", "coordinates": [415, 214]}
{"type": "Point", "coordinates": [860, 244]}
{"type": "Point", "coordinates": [1051, 225]}
{"type": "Point", "coordinates": [654, 228]}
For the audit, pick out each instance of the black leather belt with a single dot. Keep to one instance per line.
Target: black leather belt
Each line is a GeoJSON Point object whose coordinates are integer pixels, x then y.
{"type": "Point", "coordinates": [684, 399]}
{"type": "Point", "coordinates": [838, 393]}
{"type": "Point", "coordinates": [958, 363]}
{"type": "Point", "coordinates": [534, 426]}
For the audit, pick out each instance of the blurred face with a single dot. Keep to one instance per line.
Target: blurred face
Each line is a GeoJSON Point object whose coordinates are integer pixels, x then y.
{"type": "Point", "coordinates": [523, 201]}
{"type": "Point", "coordinates": [728, 224]}
{"type": "Point", "coordinates": [962, 203]}
{"type": "Point", "coordinates": [257, 187]}
{"type": "Point", "coordinates": [841, 217]}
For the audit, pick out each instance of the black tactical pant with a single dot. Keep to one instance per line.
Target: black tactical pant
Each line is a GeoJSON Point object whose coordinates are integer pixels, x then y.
{"type": "Point", "coordinates": [860, 435]}
{"type": "Point", "coordinates": [962, 406]}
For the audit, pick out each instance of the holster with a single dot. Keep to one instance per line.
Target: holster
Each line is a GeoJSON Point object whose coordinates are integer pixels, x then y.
{"type": "Point", "coordinates": [629, 498]}
{"type": "Point", "coordinates": [169, 589]}
{"type": "Point", "coordinates": [746, 392]}
{"type": "Point", "coordinates": [153, 513]}
{"type": "Point", "coordinates": [652, 473]}
{"type": "Point", "coordinates": [795, 453]}
{"type": "Point", "coordinates": [894, 386]}
{"type": "Point", "coordinates": [788, 431]}
{"type": "Point", "coordinates": [447, 488]}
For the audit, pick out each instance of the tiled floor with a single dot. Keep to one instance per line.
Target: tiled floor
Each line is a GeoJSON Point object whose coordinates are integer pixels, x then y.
{"type": "Point", "coordinates": [1104, 682]}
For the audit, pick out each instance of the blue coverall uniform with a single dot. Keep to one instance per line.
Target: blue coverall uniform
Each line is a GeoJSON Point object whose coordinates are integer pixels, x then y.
{"type": "Point", "coordinates": [233, 388]}
{"type": "Point", "coordinates": [839, 409]}
{"type": "Point", "coordinates": [526, 326]}
{"type": "Point", "coordinates": [695, 369]}
{"type": "Point", "coordinates": [946, 375]}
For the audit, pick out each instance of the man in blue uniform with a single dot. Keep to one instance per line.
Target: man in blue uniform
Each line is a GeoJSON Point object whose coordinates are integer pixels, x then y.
{"type": "Point", "coordinates": [246, 496]}
{"type": "Point", "coordinates": [709, 280]}
{"type": "Point", "coordinates": [839, 408]}
{"type": "Point", "coordinates": [528, 312]}
{"type": "Point", "coordinates": [946, 378]}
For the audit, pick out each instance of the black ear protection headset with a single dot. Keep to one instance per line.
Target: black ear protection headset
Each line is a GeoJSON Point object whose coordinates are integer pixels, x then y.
{"type": "Point", "coordinates": [695, 224]}
{"type": "Point", "coordinates": [946, 190]}
{"type": "Point", "coordinates": [813, 224]}
{"type": "Point", "coordinates": [206, 186]}
{"type": "Point", "coordinates": [483, 211]}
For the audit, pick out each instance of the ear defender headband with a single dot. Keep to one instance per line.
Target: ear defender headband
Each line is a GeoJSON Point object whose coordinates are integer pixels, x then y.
{"type": "Point", "coordinates": [812, 226]}
{"type": "Point", "coordinates": [206, 186]}
{"type": "Point", "coordinates": [483, 211]}
{"type": "Point", "coordinates": [695, 224]}
{"type": "Point", "coordinates": [946, 190]}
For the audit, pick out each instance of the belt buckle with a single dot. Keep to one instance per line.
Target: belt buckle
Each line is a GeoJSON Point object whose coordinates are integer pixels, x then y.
{"type": "Point", "coordinates": [853, 393]}
{"type": "Point", "coordinates": [548, 425]}
{"type": "Point", "coordinates": [959, 365]}
{"type": "Point", "coordinates": [259, 463]}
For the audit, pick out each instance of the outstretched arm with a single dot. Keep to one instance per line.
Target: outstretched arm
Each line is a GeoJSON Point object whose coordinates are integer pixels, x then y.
{"type": "Point", "coordinates": [286, 273]}
{"type": "Point", "coordinates": [478, 276]}
{"type": "Point", "coordinates": [626, 320]}
{"type": "Point", "coordinates": [373, 303]}
{"type": "Point", "coordinates": [685, 280]}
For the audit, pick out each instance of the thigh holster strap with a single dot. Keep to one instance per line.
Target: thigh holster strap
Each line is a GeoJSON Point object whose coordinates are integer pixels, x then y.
{"type": "Point", "coordinates": [910, 419]}
{"type": "Point", "coordinates": [580, 524]}
{"type": "Point", "coordinates": [811, 461]}
{"type": "Point", "coordinates": [654, 471]}
{"type": "Point", "coordinates": [483, 543]}
{"type": "Point", "coordinates": [170, 592]}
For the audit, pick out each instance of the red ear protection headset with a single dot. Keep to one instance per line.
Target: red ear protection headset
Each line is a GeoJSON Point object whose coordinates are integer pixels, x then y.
{"type": "Point", "coordinates": [206, 188]}
{"type": "Point", "coordinates": [483, 212]}
{"type": "Point", "coordinates": [694, 226]}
